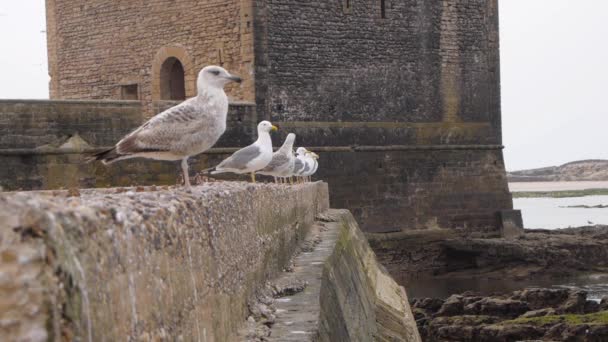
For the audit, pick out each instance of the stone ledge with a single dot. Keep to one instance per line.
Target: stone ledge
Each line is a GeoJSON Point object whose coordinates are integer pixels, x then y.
{"type": "Point", "coordinates": [144, 263]}
{"type": "Point", "coordinates": [359, 299]}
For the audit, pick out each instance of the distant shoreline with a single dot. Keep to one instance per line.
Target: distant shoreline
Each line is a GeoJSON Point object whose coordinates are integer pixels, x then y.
{"type": "Point", "coordinates": [582, 170]}
{"type": "Point", "coordinates": [560, 194]}
{"type": "Point", "coordinates": [556, 186]}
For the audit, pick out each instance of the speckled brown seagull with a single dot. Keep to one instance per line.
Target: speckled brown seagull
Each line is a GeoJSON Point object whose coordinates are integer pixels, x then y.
{"type": "Point", "coordinates": [190, 128]}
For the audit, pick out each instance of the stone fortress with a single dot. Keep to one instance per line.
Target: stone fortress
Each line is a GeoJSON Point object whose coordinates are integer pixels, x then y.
{"type": "Point", "coordinates": [400, 98]}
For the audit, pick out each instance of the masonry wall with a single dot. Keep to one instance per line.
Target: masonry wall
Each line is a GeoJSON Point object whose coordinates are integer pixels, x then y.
{"type": "Point", "coordinates": [388, 186]}
{"type": "Point", "coordinates": [41, 144]}
{"type": "Point", "coordinates": [414, 94]}
{"type": "Point", "coordinates": [97, 46]}
{"type": "Point", "coordinates": [426, 61]}
{"type": "Point", "coordinates": [146, 265]}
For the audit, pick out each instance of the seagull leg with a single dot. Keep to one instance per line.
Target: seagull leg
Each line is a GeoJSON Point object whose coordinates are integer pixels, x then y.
{"type": "Point", "coordinates": [253, 177]}
{"type": "Point", "coordinates": [291, 180]}
{"type": "Point", "coordinates": [186, 175]}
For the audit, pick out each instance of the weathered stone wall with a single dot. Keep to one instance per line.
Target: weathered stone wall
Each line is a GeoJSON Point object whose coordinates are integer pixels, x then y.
{"type": "Point", "coordinates": [404, 105]}
{"type": "Point", "coordinates": [359, 299]}
{"type": "Point", "coordinates": [41, 144]}
{"type": "Point", "coordinates": [144, 265]}
{"type": "Point", "coordinates": [95, 47]}
{"type": "Point", "coordinates": [426, 61]}
{"type": "Point", "coordinates": [415, 92]}
{"type": "Point", "coordinates": [389, 187]}
{"type": "Point", "coordinates": [419, 189]}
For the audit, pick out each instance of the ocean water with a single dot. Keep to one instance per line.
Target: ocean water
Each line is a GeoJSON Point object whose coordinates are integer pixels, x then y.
{"type": "Point", "coordinates": [596, 285]}
{"type": "Point", "coordinates": [553, 213]}
{"type": "Point", "coordinates": [547, 213]}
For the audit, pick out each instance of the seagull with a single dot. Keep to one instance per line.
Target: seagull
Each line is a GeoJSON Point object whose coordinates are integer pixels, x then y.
{"type": "Point", "coordinates": [315, 164]}
{"type": "Point", "coordinates": [253, 157]}
{"type": "Point", "coordinates": [302, 156]}
{"type": "Point", "coordinates": [182, 131]}
{"type": "Point", "coordinates": [311, 164]}
{"type": "Point", "coordinates": [298, 166]}
{"type": "Point", "coordinates": [283, 160]}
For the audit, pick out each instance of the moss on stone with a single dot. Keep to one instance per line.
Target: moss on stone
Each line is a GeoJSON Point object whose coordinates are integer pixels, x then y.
{"type": "Point", "coordinates": [592, 318]}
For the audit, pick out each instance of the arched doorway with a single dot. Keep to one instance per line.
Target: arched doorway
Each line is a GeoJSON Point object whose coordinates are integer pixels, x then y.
{"type": "Point", "coordinates": [172, 80]}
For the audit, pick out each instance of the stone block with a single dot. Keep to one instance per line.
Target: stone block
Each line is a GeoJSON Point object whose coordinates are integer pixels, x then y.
{"type": "Point", "coordinates": [511, 224]}
{"type": "Point", "coordinates": [359, 299]}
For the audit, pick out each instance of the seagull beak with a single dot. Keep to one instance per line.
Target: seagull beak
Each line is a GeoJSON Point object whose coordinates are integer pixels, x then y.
{"type": "Point", "coordinates": [274, 128]}
{"type": "Point", "coordinates": [235, 79]}
{"type": "Point", "coordinates": [316, 156]}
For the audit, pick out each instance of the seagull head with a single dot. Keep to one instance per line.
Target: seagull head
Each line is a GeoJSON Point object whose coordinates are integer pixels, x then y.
{"type": "Point", "coordinates": [291, 138]}
{"type": "Point", "coordinates": [301, 151]}
{"type": "Point", "coordinates": [312, 154]}
{"type": "Point", "coordinates": [214, 76]}
{"type": "Point", "coordinates": [266, 126]}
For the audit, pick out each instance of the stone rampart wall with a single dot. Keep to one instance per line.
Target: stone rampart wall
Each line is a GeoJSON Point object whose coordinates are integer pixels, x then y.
{"type": "Point", "coordinates": [144, 264]}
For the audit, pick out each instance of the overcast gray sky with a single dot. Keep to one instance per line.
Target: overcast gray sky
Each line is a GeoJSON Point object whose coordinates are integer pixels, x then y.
{"type": "Point", "coordinates": [554, 70]}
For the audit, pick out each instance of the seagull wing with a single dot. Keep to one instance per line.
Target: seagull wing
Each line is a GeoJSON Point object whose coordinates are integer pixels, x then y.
{"type": "Point", "coordinates": [278, 159]}
{"type": "Point", "coordinates": [239, 159]}
{"type": "Point", "coordinates": [164, 130]}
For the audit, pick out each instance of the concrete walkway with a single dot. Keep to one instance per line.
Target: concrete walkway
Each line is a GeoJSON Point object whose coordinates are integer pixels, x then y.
{"type": "Point", "coordinates": [297, 316]}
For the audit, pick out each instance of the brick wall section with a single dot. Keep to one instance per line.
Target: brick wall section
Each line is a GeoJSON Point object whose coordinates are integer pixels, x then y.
{"type": "Point", "coordinates": [427, 61]}
{"type": "Point", "coordinates": [34, 123]}
{"type": "Point", "coordinates": [426, 75]}
{"type": "Point", "coordinates": [403, 190]}
{"type": "Point", "coordinates": [96, 46]}
{"type": "Point", "coordinates": [51, 124]}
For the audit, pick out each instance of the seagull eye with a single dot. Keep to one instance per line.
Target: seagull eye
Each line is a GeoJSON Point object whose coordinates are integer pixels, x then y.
{"type": "Point", "coordinates": [215, 72]}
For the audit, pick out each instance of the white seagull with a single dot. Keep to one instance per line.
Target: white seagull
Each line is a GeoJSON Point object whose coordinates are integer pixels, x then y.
{"type": "Point", "coordinates": [283, 160]}
{"type": "Point", "coordinates": [304, 160]}
{"type": "Point", "coordinates": [253, 157]}
{"type": "Point", "coordinates": [190, 128]}
{"type": "Point", "coordinates": [313, 157]}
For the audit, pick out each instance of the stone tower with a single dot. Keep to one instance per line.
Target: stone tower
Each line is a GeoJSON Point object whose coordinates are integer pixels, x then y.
{"type": "Point", "coordinates": [401, 97]}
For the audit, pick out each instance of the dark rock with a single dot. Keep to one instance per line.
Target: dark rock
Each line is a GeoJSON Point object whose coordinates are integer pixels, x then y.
{"type": "Point", "coordinates": [575, 303]}
{"type": "Point", "coordinates": [519, 332]}
{"type": "Point", "coordinates": [581, 332]}
{"type": "Point", "coordinates": [497, 307]}
{"type": "Point", "coordinates": [576, 333]}
{"type": "Point", "coordinates": [454, 333]}
{"type": "Point", "coordinates": [465, 320]}
{"type": "Point", "coordinates": [418, 314]}
{"type": "Point", "coordinates": [538, 313]}
{"type": "Point", "coordinates": [598, 333]}
{"type": "Point", "coordinates": [604, 303]}
{"type": "Point", "coordinates": [591, 306]}
{"type": "Point", "coordinates": [429, 304]}
{"type": "Point", "coordinates": [452, 306]}
{"type": "Point", "coordinates": [555, 332]}
{"type": "Point", "coordinates": [542, 298]}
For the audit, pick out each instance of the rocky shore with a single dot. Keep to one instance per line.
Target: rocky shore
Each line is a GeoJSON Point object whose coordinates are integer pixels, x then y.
{"type": "Point", "coordinates": [530, 314]}
{"type": "Point", "coordinates": [582, 170]}
{"type": "Point", "coordinates": [437, 258]}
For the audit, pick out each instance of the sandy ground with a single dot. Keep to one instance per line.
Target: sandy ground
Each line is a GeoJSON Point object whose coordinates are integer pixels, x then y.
{"type": "Point", "coordinates": [556, 186]}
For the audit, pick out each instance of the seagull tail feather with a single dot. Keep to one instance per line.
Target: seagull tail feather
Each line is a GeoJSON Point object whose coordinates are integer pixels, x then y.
{"type": "Point", "coordinates": [210, 171]}
{"type": "Point", "coordinates": [107, 157]}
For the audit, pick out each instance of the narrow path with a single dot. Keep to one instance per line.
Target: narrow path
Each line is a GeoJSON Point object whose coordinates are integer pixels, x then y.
{"type": "Point", "coordinates": [297, 316]}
